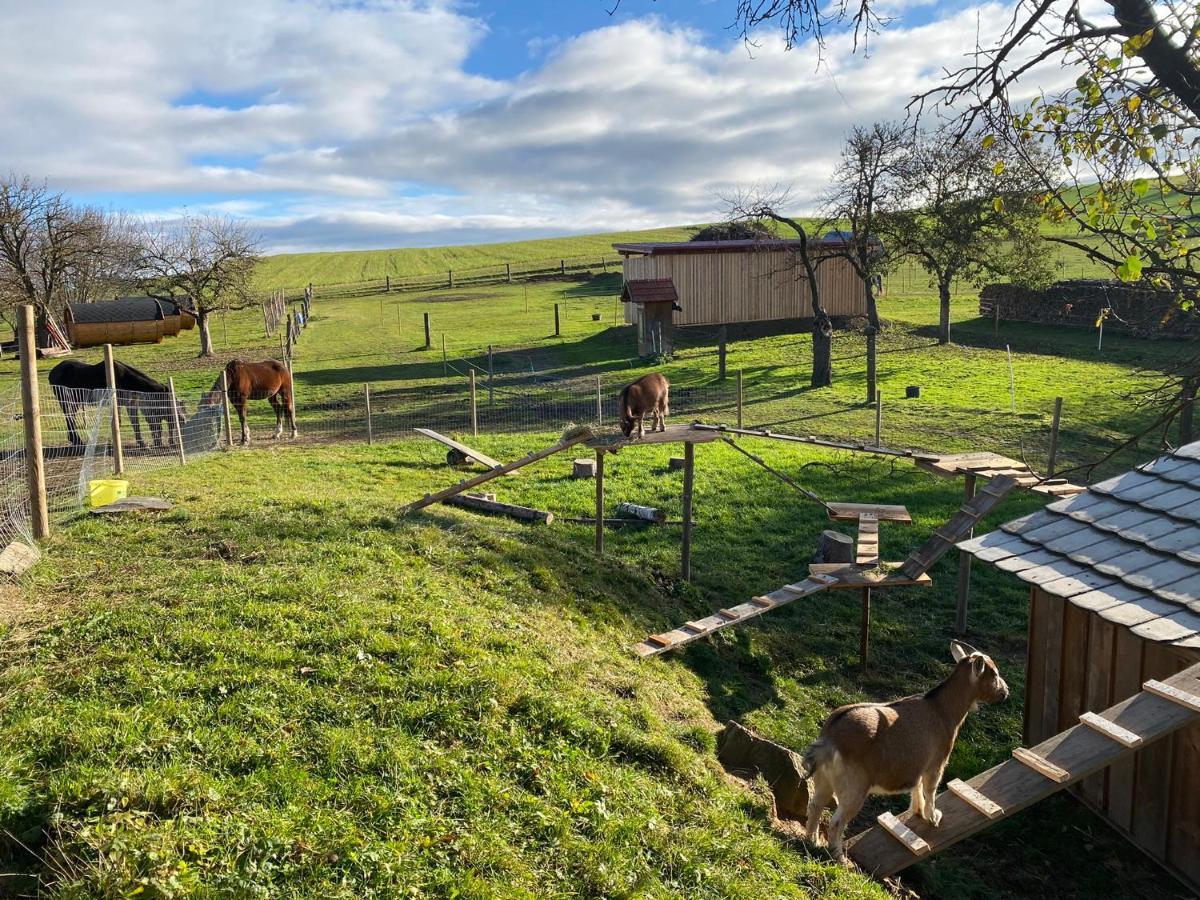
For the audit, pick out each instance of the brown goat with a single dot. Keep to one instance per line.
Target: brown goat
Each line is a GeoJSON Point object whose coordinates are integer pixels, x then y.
{"type": "Point", "coordinates": [646, 396]}
{"type": "Point", "coordinates": [891, 748]}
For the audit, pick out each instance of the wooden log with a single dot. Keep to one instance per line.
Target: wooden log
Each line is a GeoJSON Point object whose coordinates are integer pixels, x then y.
{"type": "Point", "coordinates": [834, 547]}
{"type": "Point", "coordinates": [583, 468]}
{"type": "Point", "coordinates": [31, 414]}
{"type": "Point", "coordinates": [634, 511]}
{"type": "Point", "coordinates": [675, 464]}
{"type": "Point", "coordinates": [488, 503]}
{"type": "Point", "coordinates": [110, 377]}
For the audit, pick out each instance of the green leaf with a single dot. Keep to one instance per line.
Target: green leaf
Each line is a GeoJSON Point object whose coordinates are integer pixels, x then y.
{"type": "Point", "coordinates": [998, 168]}
{"type": "Point", "coordinates": [1139, 186]}
{"type": "Point", "coordinates": [988, 141]}
{"type": "Point", "coordinates": [998, 204]}
{"type": "Point", "coordinates": [1131, 269]}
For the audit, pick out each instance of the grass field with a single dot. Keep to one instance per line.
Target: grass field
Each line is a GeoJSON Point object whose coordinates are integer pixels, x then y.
{"type": "Point", "coordinates": [281, 689]}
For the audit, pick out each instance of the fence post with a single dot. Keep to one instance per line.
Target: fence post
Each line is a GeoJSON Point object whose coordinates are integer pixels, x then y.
{"type": "Point", "coordinates": [599, 404]}
{"type": "Point", "coordinates": [427, 341]}
{"type": "Point", "coordinates": [562, 267]}
{"type": "Point", "coordinates": [964, 567]}
{"type": "Point", "coordinates": [474, 408]}
{"type": "Point", "coordinates": [225, 408]}
{"type": "Point", "coordinates": [178, 424]}
{"type": "Point", "coordinates": [370, 431]}
{"type": "Point", "coordinates": [445, 364]}
{"type": "Point", "coordinates": [290, 337]}
{"type": "Point", "coordinates": [739, 398]}
{"type": "Point", "coordinates": [604, 263]}
{"type": "Point", "coordinates": [508, 272]}
{"type": "Point", "coordinates": [721, 353]}
{"type": "Point", "coordinates": [557, 332]}
{"type": "Point", "coordinates": [111, 379]}
{"type": "Point", "coordinates": [1054, 436]}
{"type": "Point", "coordinates": [878, 418]}
{"type": "Point", "coordinates": [450, 278]}
{"type": "Point", "coordinates": [490, 373]}
{"type": "Point", "coordinates": [387, 284]}
{"type": "Point", "coordinates": [32, 414]}
{"type": "Point", "coordinates": [266, 321]}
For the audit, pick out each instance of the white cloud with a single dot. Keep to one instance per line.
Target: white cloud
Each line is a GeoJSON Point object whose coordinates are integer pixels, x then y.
{"type": "Point", "coordinates": [367, 112]}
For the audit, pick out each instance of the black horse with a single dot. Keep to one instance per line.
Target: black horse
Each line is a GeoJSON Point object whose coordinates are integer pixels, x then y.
{"type": "Point", "coordinates": [134, 389]}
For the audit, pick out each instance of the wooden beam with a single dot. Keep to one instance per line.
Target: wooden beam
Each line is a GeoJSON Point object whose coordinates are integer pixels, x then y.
{"type": "Point", "coordinates": [851, 512]}
{"type": "Point", "coordinates": [461, 448]}
{"type": "Point", "coordinates": [599, 503]}
{"type": "Point", "coordinates": [31, 413]}
{"type": "Point", "coordinates": [689, 476]}
{"type": "Point", "coordinates": [962, 595]}
{"type": "Point", "coordinates": [525, 513]}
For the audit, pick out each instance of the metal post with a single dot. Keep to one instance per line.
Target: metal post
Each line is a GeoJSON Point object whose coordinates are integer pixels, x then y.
{"type": "Point", "coordinates": [721, 354]}
{"type": "Point", "coordinates": [599, 503]}
{"type": "Point", "coordinates": [878, 418]}
{"type": "Point", "coordinates": [31, 413]}
{"type": "Point", "coordinates": [370, 430]}
{"type": "Point", "coordinates": [1054, 436]}
{"type": "Point", "coordinates": [225, 407]}
{"type": "Point", "coordinates": [739, 398]}
{"type": "Point", "coordinates": [599, 404]}
{"type": "Point", "coordinates": [964, 566]}
{"type": "Point", "coordinates": [474, 408]}
{"type": "Point", "coordinates": [177, 423]}
{"type": "Point", "coordinates": [864, 632]}
{"type": "Point", "coordinates": [110, 377]}
{"type": "Point", "coordinates": [689, 457]}
{"type": "Point", "coordinates": [428, 343]}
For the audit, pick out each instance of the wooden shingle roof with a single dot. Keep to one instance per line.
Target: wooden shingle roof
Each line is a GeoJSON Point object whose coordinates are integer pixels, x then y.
{"type": "Point", "coordinates": [1127, 549]}
{"type": "Point", "coordinates": [649, 290]}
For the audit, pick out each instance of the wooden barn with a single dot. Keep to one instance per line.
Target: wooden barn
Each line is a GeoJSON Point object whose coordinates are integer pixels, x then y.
{"type": "Point", "coordinates": [723, 282]}
{"type": "Point", "coordinates": [1114, 576]}
{"type": "Point", "coordinates": [126, 320]}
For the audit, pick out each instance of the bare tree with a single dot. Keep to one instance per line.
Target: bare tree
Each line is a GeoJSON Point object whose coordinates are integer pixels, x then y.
{"type": "Point", "coordinates": [968, 214]}
{"type": "Point", "coordinates": [755, 205]}
{"type": "Point", "coordinates": [53, 251]}
{"type": "Point", "coordinates": [867, 187]}
{"type": "Point", "coordinates": [204, 262]}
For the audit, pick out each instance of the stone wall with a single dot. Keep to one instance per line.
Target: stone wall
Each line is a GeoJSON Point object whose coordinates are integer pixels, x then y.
{"type": "Point", "coordinates": [1136, 309]}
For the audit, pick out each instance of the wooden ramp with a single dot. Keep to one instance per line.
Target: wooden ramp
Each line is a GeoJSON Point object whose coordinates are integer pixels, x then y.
{"type": "Point", "coordinates": [1032, 774]}
{"type": "Point", "coordinates": [461, 448]}
{"type": "Point", "coordinates": [959, 526]}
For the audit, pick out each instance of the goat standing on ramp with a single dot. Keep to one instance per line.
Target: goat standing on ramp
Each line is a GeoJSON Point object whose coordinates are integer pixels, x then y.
{"type": "Point", "coordinates": [646, 396]}
{"type": "Point", "coordinates": [892, 748]}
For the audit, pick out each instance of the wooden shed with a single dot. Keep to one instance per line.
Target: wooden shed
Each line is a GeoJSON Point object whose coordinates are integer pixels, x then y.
{"type": "Point", "coordinates": [1114, 577]}
{"type": "Point", "coordinates": [126, 320]}
{"type": "Point", "coordinates": [722, 282]}
{"type": "Point", "coordinates": [653, 303]}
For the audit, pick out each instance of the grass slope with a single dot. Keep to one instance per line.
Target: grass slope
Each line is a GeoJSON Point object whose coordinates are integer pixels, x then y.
{"type": "Point", "coordinates": [279, 689]}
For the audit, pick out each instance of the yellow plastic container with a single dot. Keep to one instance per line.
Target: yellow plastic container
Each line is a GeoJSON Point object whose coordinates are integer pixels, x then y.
{"type": "Point", "coordinates": [104, 491]}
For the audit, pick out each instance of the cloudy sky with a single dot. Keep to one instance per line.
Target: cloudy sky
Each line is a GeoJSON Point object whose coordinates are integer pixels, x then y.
{"type": "Point", "coordinates": [379, 123]}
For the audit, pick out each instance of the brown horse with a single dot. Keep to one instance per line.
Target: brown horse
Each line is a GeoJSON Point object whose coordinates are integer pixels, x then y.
{"type": "Point", "coordinates": [269, 380]}
{"type": "Point", "coordinates": [645, 397]}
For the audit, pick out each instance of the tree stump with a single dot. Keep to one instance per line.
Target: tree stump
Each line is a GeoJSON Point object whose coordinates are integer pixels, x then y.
{"type": "Point", "coordinates": [675, 464]}
{"type": "Point", "coordinates": [834, 547]}
{"type": "Point", "coordinates": [583, 468]}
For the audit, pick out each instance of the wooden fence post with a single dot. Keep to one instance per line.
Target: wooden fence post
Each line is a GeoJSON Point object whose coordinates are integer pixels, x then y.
{"type": "Point", "coordinates": [290, 337]}
{"type": "Point", "coordinates": [428, 344]}
{"type": "Point", "coordinates": [739, 398]}
{"type": "Point", "coordinates": [474, 407]}
{"type": "Point", "coordinates": [864, 630]}
{"type": "Point", "coordinates": [32, 416]}
{"type": "Point", "coordinates": [562, 267]}
{"type": "Point", "coordinates": [689, 477]}
{"type": "Point", "coordinates": [225, 408]}
{"type": "Point", "coordinates": [490, 373]}
{"type": "Point", "coordinates": [110, 377]}
{"type": "Point", "coordinates": [721, 353]}
{"type": "Point", "coordinates": [557, 332]}
{"type": "Point", "coordinates": [599, 503]}
{"type": "Point", "coordinates": [450, 278]}
{"type": "Point", "coordinates": [370, 430]}
{"type": "Point", "coordinates": [508, 272]}
{"type": "Point", "coordinates": [878, 418]}
{"type": "Point", "coordinates": [1054, 437]}
{"type": "Point", "coordinates": [387, 284]}
{"type": "Point", "coordinates": [177, 423]}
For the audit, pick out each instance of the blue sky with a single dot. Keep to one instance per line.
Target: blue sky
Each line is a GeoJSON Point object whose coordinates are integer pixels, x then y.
{"type": "Point", "coordinates": [373, 123]}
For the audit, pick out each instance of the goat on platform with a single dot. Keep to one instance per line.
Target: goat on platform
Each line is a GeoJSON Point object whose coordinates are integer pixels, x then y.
{"type": "Point", "coordinates": [646, 396]}
{"type": "Point", "coordinates": [893, 748]}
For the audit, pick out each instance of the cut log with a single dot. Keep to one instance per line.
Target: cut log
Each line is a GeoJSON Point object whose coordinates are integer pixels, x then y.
{"type": "Point", "coordinates": [583, 468]}
{"type": "Point", "coordinates": [675, 463]}
{"type": "Point", "coordinates": [488, 503]}
{"type": "Point", "coordinates": [834, 547]}
{"type": "Point", "coordinates": [634, 511]}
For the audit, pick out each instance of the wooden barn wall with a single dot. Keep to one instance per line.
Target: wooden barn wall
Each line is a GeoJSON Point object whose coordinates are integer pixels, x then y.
{"type": "Point", "coordinates": [717, 288]}
{"type": "Point", "coordinates": [1077, 662]}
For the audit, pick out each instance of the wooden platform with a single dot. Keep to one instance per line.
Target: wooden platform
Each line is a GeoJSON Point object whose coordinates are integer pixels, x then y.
{"type": "Point", "coordinates": [675, 434]}
{"type": "Point", "coordinates": [1014, 785]}
{"type": "Point", "coordinates": [993, 465]}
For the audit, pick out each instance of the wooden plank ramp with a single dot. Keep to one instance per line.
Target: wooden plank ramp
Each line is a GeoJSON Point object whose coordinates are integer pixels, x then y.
{"type": "Point", "coordinates": [461, 448]}
{"type": "Point", "coordinates": [958, 527]}
{"type": "Point", "coordinates": [993, 465]}
{"type": "Point", "coordinates": [1160, 709]}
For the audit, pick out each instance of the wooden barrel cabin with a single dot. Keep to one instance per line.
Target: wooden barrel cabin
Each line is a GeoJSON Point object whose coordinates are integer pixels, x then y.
{"type": "Point", "coordinates": [126, 320]}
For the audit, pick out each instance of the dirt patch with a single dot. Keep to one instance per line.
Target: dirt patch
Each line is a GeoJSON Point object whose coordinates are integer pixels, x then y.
{"type": "Point", "coordinates": [459, 297]}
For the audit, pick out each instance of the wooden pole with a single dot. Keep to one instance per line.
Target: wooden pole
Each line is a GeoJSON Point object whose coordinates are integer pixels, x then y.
{"type": "Point", "coordinates": [878, 418]}
{"type": "Point", "coordinates": [689, 475]}
{"type": "Point", "coordinates": [721, 353]}
{"type": "Point", "coordinates": [450, 278]}
{"type": "Point", "coordinates": [562, 267]}
{"type": "Point", "coordinates": [508, 272]}
{"type": "Point", "coordinates": [31, 410]}
{"type": "Point", "coordinates": [1054, 436]}
{"type": "Point", "coordinates": [445, 364]}
{"type": "Point", "coordinates": [474, 409]}
{"type": "Point", "coordinates": [599, 404]}
{"type": "Point", "coordinates": [996, 316]}
{"type": "Point", "coordinates": [739, 398]}
{"type": "Point", "coordinates": [370, 429]}
{"type": "Point", "coordinates": [177, 423]}
{"type": "Point", "coordinates": [225, 407]}
{"type": "Point", "coordinates": [964, 566]}
{"type": "Point", "coordinates": [599, 503]}
{"type": "Point", "coordinates": [864, 630]}
{"type": "Point", "coordinates": [110, 377]}
{"type": "Point", "coordinates": [428, 344]}
{"type": "Point", "coordinates": [387, 284]}
{"type": "Point", "coordinates": [1012, 389]}
{"type": "Point", "coordinates": [490, 373]}
{"type": "Point", "coordinates": [557, 330]}
{"type": "Point", "coordinates": [290, 336]}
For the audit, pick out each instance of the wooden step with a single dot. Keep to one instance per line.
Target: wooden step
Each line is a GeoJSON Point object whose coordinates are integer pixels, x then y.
{"type": "Point", "coordinates": [1040, 764]}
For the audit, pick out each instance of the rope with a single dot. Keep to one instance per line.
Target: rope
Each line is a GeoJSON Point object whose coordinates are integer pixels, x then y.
{"type": "Point", "coordinates": [803, 491]}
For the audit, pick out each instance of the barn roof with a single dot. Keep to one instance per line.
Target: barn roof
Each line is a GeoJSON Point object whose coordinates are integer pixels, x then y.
{"type": "Point", "coordinates": [649, 290]}
{"type": "Point", "coordinates": [1127, 549]}
{"type": "Point", "coordinates": [743, 246]}
{"type": "Point", "coordinates": [123, 309]}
